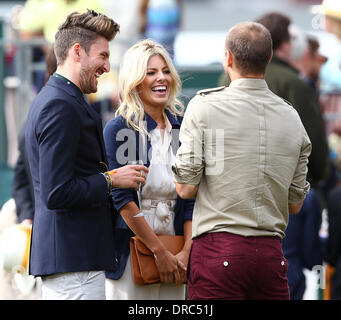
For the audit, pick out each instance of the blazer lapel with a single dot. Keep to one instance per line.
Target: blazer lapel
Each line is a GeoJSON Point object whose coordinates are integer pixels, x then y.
{"type": "Point", "coordinates": [53, 81]}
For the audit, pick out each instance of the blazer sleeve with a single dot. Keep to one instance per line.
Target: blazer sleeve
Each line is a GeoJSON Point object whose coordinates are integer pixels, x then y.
{"type": "Point", "coordinates": [189, 206]}
{"type": "Point", "coordinates": [58, 135]}
{"type": "Point", "coordinates": [120, 145]}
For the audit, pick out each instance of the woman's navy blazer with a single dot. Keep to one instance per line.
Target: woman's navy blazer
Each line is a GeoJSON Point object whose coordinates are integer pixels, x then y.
{"type": "Point", "coordinates": [124, 144]}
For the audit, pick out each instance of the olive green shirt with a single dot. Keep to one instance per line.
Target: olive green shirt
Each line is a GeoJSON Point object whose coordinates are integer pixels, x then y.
{"type": "Point", "coordinates": [248, 151]}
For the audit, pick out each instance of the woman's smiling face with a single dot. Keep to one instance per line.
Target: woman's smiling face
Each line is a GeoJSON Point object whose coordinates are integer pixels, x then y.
{"type": "Point", "coordinates": [155, 89]}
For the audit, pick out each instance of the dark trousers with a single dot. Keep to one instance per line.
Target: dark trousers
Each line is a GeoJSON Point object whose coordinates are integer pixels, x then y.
{"type": "Point", "coordinates": [229, 266]}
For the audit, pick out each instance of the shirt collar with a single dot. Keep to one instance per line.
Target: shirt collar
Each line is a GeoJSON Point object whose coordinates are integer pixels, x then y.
{"type": "Point", "coordinates": [249, 83]}
{"type": "Point", "coordinates": [68, 82]}
{"type": "Point", "coordinates": [172, 122]}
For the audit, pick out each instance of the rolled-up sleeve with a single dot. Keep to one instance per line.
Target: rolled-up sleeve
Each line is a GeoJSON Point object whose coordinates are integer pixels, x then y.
{"type": "Point", "coordinates": [121, 196]}
{"type": "Point", "coordinates": [189, 165]}
{"type": "Point", "coordinates": [300, 187]}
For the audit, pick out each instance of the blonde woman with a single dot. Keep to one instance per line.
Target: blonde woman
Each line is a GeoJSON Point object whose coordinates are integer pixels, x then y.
{"type": "Point", "coordinates": [146, 129]}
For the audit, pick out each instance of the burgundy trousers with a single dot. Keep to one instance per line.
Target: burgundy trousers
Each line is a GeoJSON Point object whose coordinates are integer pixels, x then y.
{"type": "Point", "coordinates": [228, 266]}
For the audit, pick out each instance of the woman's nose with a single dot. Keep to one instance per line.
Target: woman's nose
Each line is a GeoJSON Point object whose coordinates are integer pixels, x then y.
{"type": "Point", "coordinates": [160, 76]}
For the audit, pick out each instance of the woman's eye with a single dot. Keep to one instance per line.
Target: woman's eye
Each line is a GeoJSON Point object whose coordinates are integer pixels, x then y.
{"type": "Point", "coordinates": [166, 72]}
{"type": "Point", "coordinates": [150, 73]}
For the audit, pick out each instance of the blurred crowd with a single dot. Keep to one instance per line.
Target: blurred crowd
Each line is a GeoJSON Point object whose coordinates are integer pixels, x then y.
{"type": "Point", "coordinates": [298, 72]}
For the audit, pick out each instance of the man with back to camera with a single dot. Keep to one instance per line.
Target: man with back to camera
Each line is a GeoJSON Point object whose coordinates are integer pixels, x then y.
{"type": "Point", "coordinates": [72, 230]}
{"type": "Point", "coordinates": [243, 155]}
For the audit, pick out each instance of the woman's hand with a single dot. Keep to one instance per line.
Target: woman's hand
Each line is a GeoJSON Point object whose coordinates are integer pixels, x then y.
{"type": "Point", "coordinates": [182, 257]}
{"type": "Point", "coordinates": [169, 266]}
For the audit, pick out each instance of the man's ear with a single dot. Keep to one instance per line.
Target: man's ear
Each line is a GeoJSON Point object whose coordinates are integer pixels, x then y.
{"type": "Point", "coordinates": [225, 60]}
{"type": "Point", "coordinates": [76, 52]}
{"type": "Point", "coordinates": [229, 58]}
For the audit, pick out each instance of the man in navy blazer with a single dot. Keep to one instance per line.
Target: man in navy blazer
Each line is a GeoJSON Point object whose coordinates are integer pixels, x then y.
{"type": "Point", "coordinates": [72, 237]}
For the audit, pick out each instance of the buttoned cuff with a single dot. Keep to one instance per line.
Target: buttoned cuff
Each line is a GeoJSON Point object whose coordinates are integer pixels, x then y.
{"type": "Point", "coordinates": [297, 194]}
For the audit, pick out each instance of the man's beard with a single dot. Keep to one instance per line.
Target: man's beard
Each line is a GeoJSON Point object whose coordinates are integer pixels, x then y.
{"type": "Point", "coordinates": [86, 80]}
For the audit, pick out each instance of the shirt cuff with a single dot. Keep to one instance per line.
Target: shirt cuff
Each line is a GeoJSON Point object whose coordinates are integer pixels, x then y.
{"type": "Point", "coordinates": [297, 194]}
{"type": "Point", "coordinates": [188, 176]}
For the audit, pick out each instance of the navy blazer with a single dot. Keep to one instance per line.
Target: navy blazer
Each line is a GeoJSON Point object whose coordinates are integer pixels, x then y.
{"type": "Point", "coordinates": [73, 211]}
{"type": "Point", "coordinates": [302, 245]}
{"type": "Point", "coordinates": [123, 145]}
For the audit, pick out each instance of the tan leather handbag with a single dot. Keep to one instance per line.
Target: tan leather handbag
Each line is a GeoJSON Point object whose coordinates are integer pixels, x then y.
{"type": "Point", "coordinates": [144, 270]}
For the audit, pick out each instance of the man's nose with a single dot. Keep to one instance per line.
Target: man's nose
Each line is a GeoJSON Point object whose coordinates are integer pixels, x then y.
{"type": "Point", "coordinates": [107, 66]}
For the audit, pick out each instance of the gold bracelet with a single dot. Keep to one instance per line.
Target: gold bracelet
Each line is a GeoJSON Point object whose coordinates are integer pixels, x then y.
{"type": "Point", "coordinates": [111, 182]}
{"type": "Point", "coordinates": [108, 180]}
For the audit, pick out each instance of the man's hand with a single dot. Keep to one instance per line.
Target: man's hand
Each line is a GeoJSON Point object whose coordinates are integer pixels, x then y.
{"type": "Point", "coordinates": [128, 176]}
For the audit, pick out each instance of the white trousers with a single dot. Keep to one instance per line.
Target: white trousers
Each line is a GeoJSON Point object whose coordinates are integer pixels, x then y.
{"type": "Point", "coordinates": [84, 285]}
{"type": "Point", "coordinates": [126, 289]}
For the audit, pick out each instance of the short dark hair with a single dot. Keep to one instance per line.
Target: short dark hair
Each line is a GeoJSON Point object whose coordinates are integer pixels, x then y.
{"type": "Point", "coordinates": [83, 28]}
{"type": "Point", "coordinates": [251, 46]}
{"type": "Point", "coordinates": [278, 25]}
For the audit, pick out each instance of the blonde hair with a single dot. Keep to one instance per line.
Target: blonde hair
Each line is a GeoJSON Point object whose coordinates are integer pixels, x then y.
{"type": "Point", "coordinates": [133, 70]}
